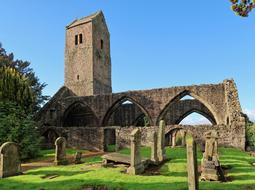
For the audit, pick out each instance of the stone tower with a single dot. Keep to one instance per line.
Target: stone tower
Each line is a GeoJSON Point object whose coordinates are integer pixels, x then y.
{"type": "Point", "coordinates": [87, 56]}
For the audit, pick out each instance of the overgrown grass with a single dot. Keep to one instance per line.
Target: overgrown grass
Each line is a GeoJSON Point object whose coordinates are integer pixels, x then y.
{"type": "Point", "coordinates": [173, 174]}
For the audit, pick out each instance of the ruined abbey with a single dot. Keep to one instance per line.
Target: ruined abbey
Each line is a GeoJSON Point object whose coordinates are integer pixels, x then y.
{"type": "Point", "coordinates": [90, 116]}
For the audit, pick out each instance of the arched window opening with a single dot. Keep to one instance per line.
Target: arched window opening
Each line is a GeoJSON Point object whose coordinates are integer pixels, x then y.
{"type": "Point", "coordinates": [79, 115]}
{"type": "Point", "coordinates": [195, 119]}
{"type": "Point", "coordinates": [183, 104]}
{"type": "Point", "coordinates": [126, 113]}
{"type": "Point", "coordinates": [187, 97]}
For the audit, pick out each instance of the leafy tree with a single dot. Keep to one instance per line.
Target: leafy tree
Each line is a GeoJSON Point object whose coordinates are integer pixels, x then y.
{"type": "Point", "coordinates": [17, 126]}
{"type": "Point", "coordinates": [242, 7]}
{"type": "Point", "coordinates": [23, 67]}
{"type": "Point", "coordinates": [15, 88]}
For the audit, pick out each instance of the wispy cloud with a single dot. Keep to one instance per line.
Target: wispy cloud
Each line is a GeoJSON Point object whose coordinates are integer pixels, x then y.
{"type": "Point", "coordinates": [250, 113]}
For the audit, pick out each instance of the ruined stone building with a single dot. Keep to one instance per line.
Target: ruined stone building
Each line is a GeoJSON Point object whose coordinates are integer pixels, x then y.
{"type": "Point", "coordinates": [90, 116]}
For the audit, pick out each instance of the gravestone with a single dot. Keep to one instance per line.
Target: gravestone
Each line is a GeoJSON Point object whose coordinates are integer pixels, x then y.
{"type": "Point", "coordinates": [192, 163]}
{"type": "Point", "coordinates": [136, 166]}
{"type": "Point", "coordinates": [60, 151]}
{"type": "Point", "coordinates": [78, 157]}
{"type": "Point", "coordinates": [210, 166]}
{"type": "Point", "coordinates": [154, 152]}
{"type": "Point", "coordinates": [161, 142]}
{"type": "Point", "coordinates": [9, 160]}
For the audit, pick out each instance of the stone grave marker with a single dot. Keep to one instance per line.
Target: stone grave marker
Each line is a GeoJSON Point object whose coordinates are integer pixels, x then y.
{"type": "Point", "coordinates": [60, 151]}
{"type": "Point", "coordinates": [210, 166]}
{"type": "Point", "coordinates": [161, 142]}
{"type": "Point", "coordinates": [192, 163]}
{"type": "Point", "coordinates": [136, 166]}
{"type": "Point", "coordinates": [78, 157]}
{"type": "Point", "coordinates": [154, 152]}
{"type": "Point", "coordinates": [9, 160]}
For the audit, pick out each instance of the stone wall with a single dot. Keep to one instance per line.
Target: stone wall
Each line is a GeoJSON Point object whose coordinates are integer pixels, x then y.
{"type": "Point", "coordinates": [89, 138]}
{"type": "Point", "coordinates": [229, 137]}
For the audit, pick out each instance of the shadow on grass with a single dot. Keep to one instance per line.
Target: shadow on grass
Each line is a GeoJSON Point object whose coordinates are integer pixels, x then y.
{"type": "Point", "coordinates": [77, 184]}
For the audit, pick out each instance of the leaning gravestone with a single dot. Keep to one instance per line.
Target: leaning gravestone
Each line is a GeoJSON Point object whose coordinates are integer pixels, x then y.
{"type": "Point", "coordinates": [60, 151]}
{"type": "Point", "coordinates": [161, 142]}
{"type": "Point", "coordinates": [9, 160]}
{"type": "Point", "coordinates": [192, 163]}
{"type": "Point", "coordinates": [210, 166]}
{"type": "Point", "coordinates": [136, 166]}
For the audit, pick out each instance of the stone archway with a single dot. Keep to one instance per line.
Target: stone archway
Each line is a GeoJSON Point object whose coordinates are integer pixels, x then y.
{"type": "Point", "coordinates": [177, 108]}
{"type": "Point", "coordinates": [79, 115]}
{"type": "Point", "coordinates": [126, 112]}
{"type": "Point", "coordinates": [176, 137]}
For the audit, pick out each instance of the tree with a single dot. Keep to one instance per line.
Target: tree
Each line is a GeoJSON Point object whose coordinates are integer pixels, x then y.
{"type": "Point", "coordinates": [23, 67]}
{"type": "Point", "coordinates": [242, 7]}
{"type": "Point", "coordinates": [15, 88]}
{"type": "Point", "coordinates": [17, 126]}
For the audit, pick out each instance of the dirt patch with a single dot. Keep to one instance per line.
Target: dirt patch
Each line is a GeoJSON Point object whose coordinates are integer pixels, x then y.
{"type": "Point", "coordinates": [50, 161]}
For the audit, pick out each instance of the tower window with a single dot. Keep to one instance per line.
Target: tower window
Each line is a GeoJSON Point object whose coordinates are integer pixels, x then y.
{"type": "Point", "coordinates": [76, 39]}
{"type": "Point", "coordinates": [78, 77]}
{"type": "Point", "coordinates": [102, 44]}
{"type": "Point", "coordinates": [80, 38]}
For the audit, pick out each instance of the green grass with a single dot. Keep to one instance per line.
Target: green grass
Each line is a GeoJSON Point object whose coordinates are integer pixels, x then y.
{"type": "Point", "coordinates": [173, 174]}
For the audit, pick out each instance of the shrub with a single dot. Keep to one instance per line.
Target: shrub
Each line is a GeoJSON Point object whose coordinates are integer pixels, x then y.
{"type": "Point", "coordinates": [19, 127]}
{"type": "Point", "coordinates": [250, 135]}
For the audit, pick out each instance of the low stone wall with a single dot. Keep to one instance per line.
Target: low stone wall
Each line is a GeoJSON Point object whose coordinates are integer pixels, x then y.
{"type": "Point", "coordinates": [229, 136]}
{"type": "Point", "coordinates": [90, 138]}
{"type": "Point", "coordinates": [95, 138]}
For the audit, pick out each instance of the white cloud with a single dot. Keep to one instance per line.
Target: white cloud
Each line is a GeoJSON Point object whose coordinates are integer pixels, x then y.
{"type": "Point", "coordinates": [250, 113]}
{"type": "Point", "coordinates": [195, 119]}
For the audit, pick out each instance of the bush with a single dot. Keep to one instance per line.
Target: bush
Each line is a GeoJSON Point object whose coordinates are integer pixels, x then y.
{"type": "Point", "coordinates": [250, 135]}
{"type": "Point", "coordinates": [19, 127]}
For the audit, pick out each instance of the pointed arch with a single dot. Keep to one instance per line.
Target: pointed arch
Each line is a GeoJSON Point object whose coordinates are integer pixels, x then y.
{"type": "Point", "coordinates": [118, 104]}
{"type": "Point", "coordinates": [213, 115]}
{"type": "Point", "coordinates": [79, 114]}
{"type": "Point", "coordinates": [210, 118]}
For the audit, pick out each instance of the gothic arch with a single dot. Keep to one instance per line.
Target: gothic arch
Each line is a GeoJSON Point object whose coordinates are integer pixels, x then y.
{"type": "Point", "coordinates": [207, 116]}
{"type": "Point", "coordinates": [79, 114]}
{"type": "Point", "coordinates": [179, 97]}
{"type": "Point", "coordinates": [118, 103]}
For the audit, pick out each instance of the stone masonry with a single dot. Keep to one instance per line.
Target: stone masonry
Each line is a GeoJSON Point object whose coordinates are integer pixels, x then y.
{"type": "Point", "coordinates": [85, 105]}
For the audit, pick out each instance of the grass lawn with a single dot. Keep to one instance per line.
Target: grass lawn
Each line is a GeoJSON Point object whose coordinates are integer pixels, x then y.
{"type": "Point", "coordinates": [173, 174]}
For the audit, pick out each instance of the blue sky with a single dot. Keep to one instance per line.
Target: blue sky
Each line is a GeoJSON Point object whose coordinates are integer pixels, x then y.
{"type": "Point", "coordinates": [153, 43]}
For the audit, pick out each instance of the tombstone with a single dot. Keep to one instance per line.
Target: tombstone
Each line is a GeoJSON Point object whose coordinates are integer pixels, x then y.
{"type": "Point", "coordinates": [60, 151]}
{"type": "Point", "coordinates": [154, 152]}
{"type": "Point", "coordinates": [78, 157]}
{"type": "Point", "coordinates": [161, 142]}
{"type": "Point", "coordinates": [9, 160]}
{"type": "Point", "coordinates": [136, 166]}
{"type": "Point", "coordinates": [192, 163]}
{"type": "Point", "coordinates": [210, 166]}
